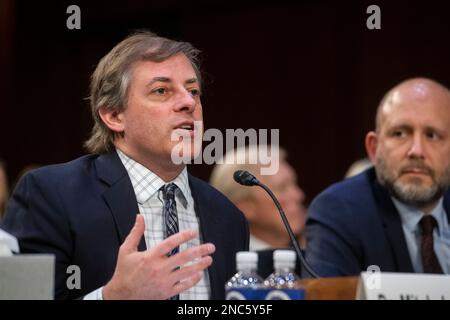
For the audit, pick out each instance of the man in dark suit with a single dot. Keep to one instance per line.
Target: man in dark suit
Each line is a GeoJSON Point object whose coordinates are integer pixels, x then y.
{"type": "Point", "coordinates": [394, 217]}
{"type": "Point", "coordinates": [145, 99]}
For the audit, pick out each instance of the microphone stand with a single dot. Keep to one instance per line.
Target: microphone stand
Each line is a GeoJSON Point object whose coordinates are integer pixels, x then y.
{"type": "Point", "coordinates": [289, 230]}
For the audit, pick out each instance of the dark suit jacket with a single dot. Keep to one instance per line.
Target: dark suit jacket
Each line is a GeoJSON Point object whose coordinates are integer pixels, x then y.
{"type": "Point", "coordinates": [82, 211]}
{"type": "Point", "coordinates": [354, 224]}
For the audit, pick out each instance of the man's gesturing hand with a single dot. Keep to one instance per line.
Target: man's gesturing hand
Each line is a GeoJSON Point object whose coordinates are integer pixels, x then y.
{"type": "Point", "coordinates": [152, 274]}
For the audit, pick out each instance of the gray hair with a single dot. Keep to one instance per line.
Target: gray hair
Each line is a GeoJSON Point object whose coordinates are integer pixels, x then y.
{"type": "Point", "coordinates": [111, 78]}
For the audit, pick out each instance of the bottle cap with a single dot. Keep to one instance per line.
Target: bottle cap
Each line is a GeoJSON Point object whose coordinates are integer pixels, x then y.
{"type": "Point", "coordinates": [246, 259]}
{"type": "Point", "coordinates": [284, 259]}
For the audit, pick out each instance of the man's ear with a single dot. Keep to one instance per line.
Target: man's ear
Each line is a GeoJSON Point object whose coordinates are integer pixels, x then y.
{"type": "Point", "coordinates": [371, 145]}
{"type": "Point", "coordinates": [112, 119]}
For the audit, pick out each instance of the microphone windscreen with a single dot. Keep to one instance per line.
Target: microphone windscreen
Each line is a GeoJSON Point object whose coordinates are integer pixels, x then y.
{"type": "Point", "coordinates": [245, 178]}
{"type": "Point", "coordinates": [238, 176]}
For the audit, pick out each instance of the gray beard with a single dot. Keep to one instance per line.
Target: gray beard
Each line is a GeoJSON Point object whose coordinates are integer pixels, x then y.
{"type": "Point", "coordinates": [413, 193]}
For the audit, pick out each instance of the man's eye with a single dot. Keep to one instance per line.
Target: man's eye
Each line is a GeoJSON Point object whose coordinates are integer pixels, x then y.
{"type": "Point", "coordinates": [195, 92]}
{"type": "Point", "coordinates": [432, 135]}
{"type": "Point", "coordinates": [160, 91]}
{"type": "Point", "coordinates": [398, 133]}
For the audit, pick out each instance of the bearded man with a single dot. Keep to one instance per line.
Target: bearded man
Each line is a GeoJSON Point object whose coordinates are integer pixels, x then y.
{"type": "Point", "coordinates": [396, 215]}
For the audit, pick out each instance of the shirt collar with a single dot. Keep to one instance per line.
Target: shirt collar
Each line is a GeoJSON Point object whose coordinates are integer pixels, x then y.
{"type": "Point", "coordinates": [146, 183]}
{"type": "Point", "coordinates": [411, 216]}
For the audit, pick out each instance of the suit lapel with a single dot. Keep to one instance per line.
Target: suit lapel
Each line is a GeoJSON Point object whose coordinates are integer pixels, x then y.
{"type": "Point", "coordinates": [447, 204]}
{"type": "Point", "coordinates": [119, 195]}
{"type": "Point", "coordinates": [393, 227]}
{"type": "Point", "coordinates": [210, 231]}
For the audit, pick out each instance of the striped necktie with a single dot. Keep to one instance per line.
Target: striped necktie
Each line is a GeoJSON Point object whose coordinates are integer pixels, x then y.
{"type": "Point", "coordinates": [170, 218]}
{"type": "Point", "coordinates": [170, 213]}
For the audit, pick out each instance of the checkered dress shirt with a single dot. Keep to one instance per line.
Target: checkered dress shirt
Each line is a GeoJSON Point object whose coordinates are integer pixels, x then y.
{"type": "Point", "coordinates": [147, 187]}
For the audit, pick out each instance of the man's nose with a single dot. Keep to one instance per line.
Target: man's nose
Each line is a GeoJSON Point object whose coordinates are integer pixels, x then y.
{"type": "Point", "coordinates": [185, 102]}
{"type": "Point", "coordinates": [416, 149]}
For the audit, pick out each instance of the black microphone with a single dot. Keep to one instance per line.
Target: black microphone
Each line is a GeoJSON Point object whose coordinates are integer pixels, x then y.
{"type": "Point", "coordinates": [247, 179]}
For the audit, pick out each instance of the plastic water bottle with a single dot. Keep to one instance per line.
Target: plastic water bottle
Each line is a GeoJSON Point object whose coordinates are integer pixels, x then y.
{"type": "Point", "coordinates": [283, 281]}
{"type": "Point", "coordinates": [246, 284]}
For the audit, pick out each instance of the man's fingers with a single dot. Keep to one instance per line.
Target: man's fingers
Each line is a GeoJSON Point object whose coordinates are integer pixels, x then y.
{"type": "Point", "coordinates": [190, 254]}
{"type": "Point", "coordinates": [134, 237]}
{"type": "Point", "coordinates": [175, 240]}
{"type": "Point", "coordinates": [190, 270]}
{"type": "Point", "coordinates": [187, 283]}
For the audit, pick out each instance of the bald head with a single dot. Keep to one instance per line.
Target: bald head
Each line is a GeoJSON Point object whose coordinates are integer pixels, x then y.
{"type": "Point", "coordinates": [411, 145]}
{"type": "Point", "coordinates": [416, 90]}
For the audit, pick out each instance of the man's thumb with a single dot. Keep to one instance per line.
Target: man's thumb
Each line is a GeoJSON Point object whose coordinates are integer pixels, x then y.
{"type": "Point", "coordinates": [134, 237]}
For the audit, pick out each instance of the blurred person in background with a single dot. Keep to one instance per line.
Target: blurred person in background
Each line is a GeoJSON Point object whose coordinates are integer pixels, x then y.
{"type": "Point", "coordinates": [357, 167]}
{"type": "Point", "coordinates": [266, 226]}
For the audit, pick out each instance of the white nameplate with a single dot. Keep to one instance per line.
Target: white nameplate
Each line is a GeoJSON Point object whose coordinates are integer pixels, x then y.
{"type": "Point", "coordinates": [27, 276]}
{"type": "Point", "coordinates": [403, 286]}
{"type": "Point", "coordinates": [9, 241]}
